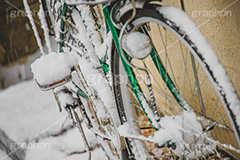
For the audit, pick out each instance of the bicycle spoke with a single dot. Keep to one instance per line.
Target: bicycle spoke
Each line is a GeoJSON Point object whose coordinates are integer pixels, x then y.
{"type": "Point", "coordinates": [197, 84]}
{"type": "Point", "coordinates": [181, 91]}
{"type": "Point", "coordinates": [170, 101]}
{"type": "Point", "coordinates": [166, 53]}
{"type": "Point", "coordinates": [186, 74]}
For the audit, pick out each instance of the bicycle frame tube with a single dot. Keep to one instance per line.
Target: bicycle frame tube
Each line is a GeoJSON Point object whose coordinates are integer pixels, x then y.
{"type": "Point", "coordinates": [166, 78]}
{"type": "Point", "coordinates": [63, 14]}
{"type": "Point", "coordinates": [157, 61]}
{"type": "Point", "coordinates": [132, 80]}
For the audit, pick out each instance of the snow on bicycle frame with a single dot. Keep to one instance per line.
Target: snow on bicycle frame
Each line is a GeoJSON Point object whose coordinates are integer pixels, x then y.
{"type": "Point", "coordinates": [53, 70]}
{"type": "Point", "coordinates": [90, 2]}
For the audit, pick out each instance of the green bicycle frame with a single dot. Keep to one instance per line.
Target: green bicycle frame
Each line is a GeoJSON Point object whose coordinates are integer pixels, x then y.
{"type": "Point", "coordinates": [132, 80]}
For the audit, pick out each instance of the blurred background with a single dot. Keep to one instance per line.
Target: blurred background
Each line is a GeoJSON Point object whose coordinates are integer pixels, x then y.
{"type": "Point", "coordinates": [18, 47]}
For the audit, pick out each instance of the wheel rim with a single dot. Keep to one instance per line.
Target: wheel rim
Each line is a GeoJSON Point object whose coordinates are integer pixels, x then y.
{"type": "Point", "coordinates": [179, 67]}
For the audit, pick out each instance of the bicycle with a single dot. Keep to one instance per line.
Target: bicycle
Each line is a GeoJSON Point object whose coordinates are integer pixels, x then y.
{"type": "Point", "coordinates": [159, 112]}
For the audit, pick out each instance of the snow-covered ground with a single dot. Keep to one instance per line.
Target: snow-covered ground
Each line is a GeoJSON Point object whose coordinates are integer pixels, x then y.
{"type": "Point", "coordinates": [31, 115]}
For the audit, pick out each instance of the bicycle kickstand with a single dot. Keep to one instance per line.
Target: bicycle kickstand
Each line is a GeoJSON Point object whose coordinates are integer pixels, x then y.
{"type": "Point", "coordinates": [79, 126]}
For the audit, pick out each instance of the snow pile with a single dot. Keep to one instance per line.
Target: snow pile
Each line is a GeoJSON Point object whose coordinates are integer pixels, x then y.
{"type": "Point", "coordinates": [174, 127]}
{"type": "Point", "coordinates": [53, 67]}
{"type": "Point", "coordinates": [27, 112]}
{"type": "Point", "coordinates": [3, 156]}
{"type": "Point", "coordinates": [26, 119]}
{"type": "Point", "coordinates": [64, 96]}
{"type": "Point", "coordinates": [127, 130]}
{"type": "Point", "coordinates": [137, 45]}
{"type": "Point", "coordinates": [66, 147]}
{"type": "Point", "coordinates": [183, 130]}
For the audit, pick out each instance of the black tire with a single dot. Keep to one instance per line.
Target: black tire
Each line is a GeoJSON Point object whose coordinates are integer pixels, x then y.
{"type": "Point", "coordinates": [215, 83]}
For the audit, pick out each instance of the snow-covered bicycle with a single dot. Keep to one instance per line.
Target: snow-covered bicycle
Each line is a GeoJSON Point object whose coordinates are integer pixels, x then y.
{"type": "Point", "coordinates": [157, 91]}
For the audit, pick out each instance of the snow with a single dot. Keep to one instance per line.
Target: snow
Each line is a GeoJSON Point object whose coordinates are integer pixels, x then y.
{"type": "Point", "coordinates": [179, 129]}
{"type": "Point", "coordinates": [19, 106]}
{"type": "Point", "coordinates": [30, 17]}
{"type": "Point", "coordinates": [97, 84]}
{"type": "Point", "coordinates": [126, 131]}
{"type": "Point", "coordinates": [83, 38]}
{"type": "Point", "coordinates": [148, 110]}
{"type": "Point", "coordinates": [183, 130]}
{"type": "Point", "coordinates": [137, 45]}
{"type": "Point", "coordinates": [64, 145]}
{"type": "Point", "coordinates": [3, 154]}
{"type": "Point", "coordinates": [44, 26]}
{"type": "Point", "coordinates": [188, 27]}
{"type": "Point", "coordinates": [53, 67]}
{"type": "Point", "coordinates": [64, 98]}
{"type": "Point", "coordinates": [27, 114]}
{"type": "Point", "coordinates": [26, 118]}
{"type": "Point", "coordinates": [72, 2]}
{"type": "Point", "coordinates": [91, 32]}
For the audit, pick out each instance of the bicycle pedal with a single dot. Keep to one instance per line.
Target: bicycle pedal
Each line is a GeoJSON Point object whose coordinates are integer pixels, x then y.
{"type": "Point", "coordinates": [53, 70]}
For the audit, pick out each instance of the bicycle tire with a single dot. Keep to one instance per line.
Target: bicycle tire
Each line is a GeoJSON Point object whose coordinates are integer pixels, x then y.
{"type": "Point", "coordinates": [153, 14]}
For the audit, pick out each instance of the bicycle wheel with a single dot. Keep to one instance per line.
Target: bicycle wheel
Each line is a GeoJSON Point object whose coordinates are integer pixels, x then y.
{"type": "Point", "coordinates": [209, 128]}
